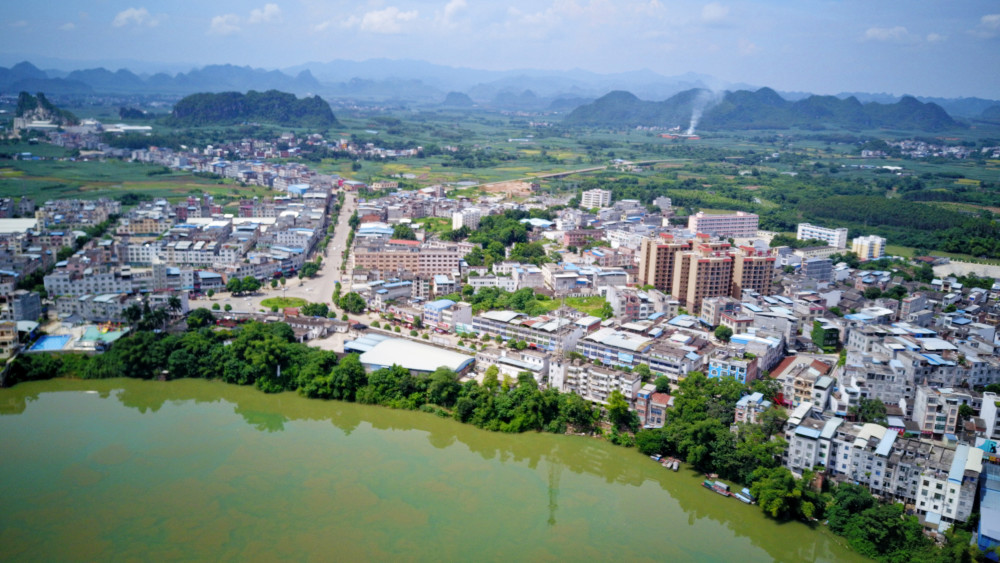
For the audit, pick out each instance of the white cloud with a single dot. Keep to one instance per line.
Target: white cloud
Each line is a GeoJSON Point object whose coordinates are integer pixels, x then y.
{"type": "Point", "coordinates": [451, 10]}
{"type": "Point", "coordinates": [68, 26]}
{"type": "Point", "coordinates": [137, 16]}
{"type": "Point", "coordinates": [989, 26]}
{"type": "Point", "coordinates": [388, 20]}
{"type": "Point", "coordinates": [18, 23]}
{"type": "Point", "coordinates": [935, 37]}
{"type": "Point", "coordinates": [886, 33]}
{"type": "Point", "coordinates": [225, 24]}
{"type": "Point", "coordinates": [268, 14]}
{"type": "Point", "coordinates": [714, 12]}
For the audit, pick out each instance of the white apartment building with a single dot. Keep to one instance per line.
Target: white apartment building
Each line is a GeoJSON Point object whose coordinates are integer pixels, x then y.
{"type": "Point", "coordinates": [591, 382]}
{"type": "Point", "coordinates": [466, 218]}
{"type": "Point", "coordinates": [595, 198]}
{"type": "Point", "coordinates": [868, 248]}
{"type": "Point", "coordinates": [739, 224]}
{"type": "Point", "coordinates": [836, 238]}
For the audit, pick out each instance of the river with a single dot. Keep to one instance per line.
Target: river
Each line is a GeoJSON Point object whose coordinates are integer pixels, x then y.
{"type": "Point", "coordinates": [191, 469]}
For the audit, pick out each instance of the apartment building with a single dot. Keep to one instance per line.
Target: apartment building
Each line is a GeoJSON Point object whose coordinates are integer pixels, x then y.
{"type": "Point", "coordinates": [394, 256]}
{"type": "Point", "coordinates": [468, 217]}
{"type": "Point", "coordinates": [739, 224]}
{"type": "Point", "coordinates": [596, 198]}
{"type": "Point", "coordinates": [592, 382]}
{"type": "Point", "coordinates": [936, 410]}
{"type": "Point", "coordinates": [836, 238]}
{"type": "Point", "coordinates": [750, 407]}
{"type": "Point", "coordinates": [546, 332]}
{"type": "Point", "coordinates": [869, 248]}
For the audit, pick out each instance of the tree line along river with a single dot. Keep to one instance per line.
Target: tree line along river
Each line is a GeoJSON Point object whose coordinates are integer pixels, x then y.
{"type": "Point", "coordinates": [195, 469]}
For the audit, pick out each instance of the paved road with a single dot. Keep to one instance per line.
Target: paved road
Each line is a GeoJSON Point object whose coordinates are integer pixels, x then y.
{"type": "Point", "coordinates": [318, 289]}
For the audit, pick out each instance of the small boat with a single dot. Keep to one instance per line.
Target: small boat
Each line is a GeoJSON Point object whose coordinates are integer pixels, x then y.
{"type": "Point", "coordinates": [712, 476]}
{"type": "Point", "coordinates": [708, 484]}
{"type": "Point", "coordinates": [676, 465]}
{"type": "Point", "coordinates": [746, 492]}
{"type": "Point", "coordinates": [742, 498]}
{"type": "Point", "coordinates": [656, 457]}
{"type": "Point", "coordinates": [721, 488]}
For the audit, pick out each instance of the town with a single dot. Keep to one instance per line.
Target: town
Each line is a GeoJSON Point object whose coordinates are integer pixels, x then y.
{"type": "Point", "coordinates": [607, 299]}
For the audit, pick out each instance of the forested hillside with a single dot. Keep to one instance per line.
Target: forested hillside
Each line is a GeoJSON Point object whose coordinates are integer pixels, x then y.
{"type": "Point", "coordinates": [229, 108]}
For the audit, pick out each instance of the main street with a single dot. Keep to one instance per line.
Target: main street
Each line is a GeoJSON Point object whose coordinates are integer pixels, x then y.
{"type": "Point", "coordinates": [319, 289]}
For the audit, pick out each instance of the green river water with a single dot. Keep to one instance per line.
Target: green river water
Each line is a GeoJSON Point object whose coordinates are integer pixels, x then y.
{"type": "Point", "coordinates": [201, 470]}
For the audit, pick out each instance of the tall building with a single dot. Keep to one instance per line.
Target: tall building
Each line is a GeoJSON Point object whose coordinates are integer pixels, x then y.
{"type": "Point", "coordinates": [468, 217]}
{"type": "Point", "coordinates": [705, 271]}
{"type": "Point", "coordinates": [833, 237]}
{"type": "Point", "coordinates": [739, 224]}
{"type": "Point", "coordinates": [869, 248]}
{"type": "Point", "coordinates": [752, 270]}
{"type": "Point", "coordinates": [656, 261]}
{"type": "Point", "coordinates": [693, 271]}
{"type": "Point", "coordinates": [595, 198]}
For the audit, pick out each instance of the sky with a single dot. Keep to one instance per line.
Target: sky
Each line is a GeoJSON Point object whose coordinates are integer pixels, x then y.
{"type": "Point", "coordinates": [922, 47]}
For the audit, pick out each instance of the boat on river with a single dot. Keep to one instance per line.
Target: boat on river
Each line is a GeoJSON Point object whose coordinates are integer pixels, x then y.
{"type": "Point", "coordinates": [717, 486]}
{"type": "Point", "coordinates": [742, 498]}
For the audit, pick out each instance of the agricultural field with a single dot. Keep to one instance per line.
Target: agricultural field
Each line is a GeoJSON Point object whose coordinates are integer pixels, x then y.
{"type": "Point", "coordinates": [52, 179]}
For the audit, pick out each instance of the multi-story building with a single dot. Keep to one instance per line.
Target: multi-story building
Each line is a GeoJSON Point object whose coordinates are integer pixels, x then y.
{"type": "Point", "coordinates": [810, 441]}
{"type": "Point", "coordinates": [836, 238]}
{"type": "Point", "coordinates": [595, 198]}
{"type": "Point", "coordinates": [936, 410]}
{"type": "Point", "coordinates": [468, 217]}
{"type": "Point", "coordinates": [819, 269]}
{"type": "Point", "coordinates": [947, 492]}
{"type": "Point", "coordinates": [8, 339]}
{"type": "Point", "coordinates": [592, 382]}
{"type": "Point", "coordinates": [990, 413]}
{"type": "Point", "coordinates": [868, 248]}
{"type": "Point", "coordinates": [739, 224]}
{"type": "Point", "coordinates": [733, 362]}
{"type": "Point", "coordinates": [705, 271]}
{"type": "Point", "coordinates": [750, 407]}
{"type": "Point", "coordinates": [395, 256]}
{"type": "Point", "coordinates": [657, 258]}
{"type": "Point", "coordinates": [546, 332]}
{"type": "Point", "coordinates": [753, 270]}
{"type": "Point", "coordinates": [651, 407]}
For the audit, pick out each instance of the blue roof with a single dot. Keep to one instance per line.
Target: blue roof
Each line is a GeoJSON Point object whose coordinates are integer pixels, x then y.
{"type": "Point", "coordinates": [439, 305]}
{"type": "Point", "coordinates": [808, 432]}
{"type": "Point", "coordinates": [885, 446]}
{"type": "Point", "coordinates": [441, 278]}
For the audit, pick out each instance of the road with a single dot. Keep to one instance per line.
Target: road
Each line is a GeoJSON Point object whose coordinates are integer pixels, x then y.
{"type": "Point", "coordinates": [318, 289]}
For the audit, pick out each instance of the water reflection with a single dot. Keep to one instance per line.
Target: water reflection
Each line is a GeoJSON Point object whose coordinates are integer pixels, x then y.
{"type": "Point", "coordinates": [552, 461]}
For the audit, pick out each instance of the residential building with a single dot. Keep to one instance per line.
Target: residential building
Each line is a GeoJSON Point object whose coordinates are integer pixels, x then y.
{"type": "Point", "coordinates": [947, 492]}
{"type": "Point", "coordinates": [869, 248]}
{"type": "Point", "coordinates": [733, 362]}
{"type": "Point", "coordinates": [594, 383]}
{"type": "Point", "coordinates": [737, 225]}
{"type": "Point", "coordinates": [750, 407]}
{"type": "Point", "coordinates": [936, 410]}
{"type": "Point", "coordinates": [545, 332]}
{"type": "Point", "coordinates": [836, 238]}
{"type": "Point", "coordinates": [468, 217]}
{"type": "Point", "coordinates": [595, 198]}
{"type": "Point", "coordinates": [8, 339]}
{"type": "Point", "coordinates": [657, 258]}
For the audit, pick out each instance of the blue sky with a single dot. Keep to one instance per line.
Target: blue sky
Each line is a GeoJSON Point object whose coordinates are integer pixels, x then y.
{"type": "Point", "coordinates": [923, 47]}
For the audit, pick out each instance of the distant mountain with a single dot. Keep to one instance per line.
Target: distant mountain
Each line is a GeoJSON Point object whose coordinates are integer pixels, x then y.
{"type": "Point", "coordinates": [213, 78]}
{"type": "Point", "coordinates": [457, 100]}
{"type": "Point", "coordinates": [761, 109]}
{"type": "Point", "coordinates": [228, 108]}
{"type": "Point", "coordinates": [991, 113]}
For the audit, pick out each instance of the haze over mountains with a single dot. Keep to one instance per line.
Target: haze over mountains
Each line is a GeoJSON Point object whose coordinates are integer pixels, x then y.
{"type": "Point", "coordinates": [422, 83]}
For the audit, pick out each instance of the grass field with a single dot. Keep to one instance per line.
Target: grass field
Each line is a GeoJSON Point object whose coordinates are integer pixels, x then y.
{"type": "Point", "coordinates": [587, 305]}
{"type": "Point", "coordinates": [283, 302]}
{"type": "Point", "coordinates": [45, 180]}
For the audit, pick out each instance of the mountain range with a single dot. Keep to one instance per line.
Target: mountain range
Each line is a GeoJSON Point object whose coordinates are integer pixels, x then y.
{"type": "Point", "coordinates": [408, 82]}
{"type": "Point", "coordinates": [760, 109]}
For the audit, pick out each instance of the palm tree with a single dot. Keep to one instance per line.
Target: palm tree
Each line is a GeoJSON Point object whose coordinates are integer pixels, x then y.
{"type": "Point", "coordinates": [174, 303]}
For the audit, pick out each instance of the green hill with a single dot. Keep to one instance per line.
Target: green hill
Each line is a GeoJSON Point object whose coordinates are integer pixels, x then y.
{"type": "Point", "coordinates": [229, 108]}
{"type": "Point", "coordinates": [38, 107]}
{"type": "Point", "coordinates": [762, 109]}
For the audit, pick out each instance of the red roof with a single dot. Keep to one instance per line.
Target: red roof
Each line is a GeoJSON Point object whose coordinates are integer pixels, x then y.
{"type": "Point", "coordinates": [404, 242]}
{"type": "Point", "coordinates": [660, 399]}
{"type": "Point", "coordinates": [789, 360]}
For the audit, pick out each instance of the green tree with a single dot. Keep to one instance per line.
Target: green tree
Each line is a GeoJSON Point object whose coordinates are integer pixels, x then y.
{"type": "Point", "coordinates": [643, 371]}
{"type": "Point", "coordinates": [619, 413]}
{"type": "Point", "coordinates": [228, 308]}
{"type": "Point", "coordinates": [870, 410]}
{"type": "Point", "coordinates": [200, 318]}
{"type": "Point", "coordinates": [723, 333]}
{"type": "Point", "coordinates": [234, 286]}
{"type": "Point", "coordinates": [662, 384]}
{"type": "Point", "coordinates": [352, 303]}
{"type": "Point", "coordinates": [873, 292]}
{"type": "Point", "coordinates": [403, 231]}
{"type": "Point", "coordinates": [210, 293]}
{"type": "Point", "coordinates": [250, 284]}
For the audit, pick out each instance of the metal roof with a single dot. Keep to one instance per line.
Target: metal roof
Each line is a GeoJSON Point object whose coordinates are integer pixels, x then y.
{"type": "Point", "coordinates": [413, 356]}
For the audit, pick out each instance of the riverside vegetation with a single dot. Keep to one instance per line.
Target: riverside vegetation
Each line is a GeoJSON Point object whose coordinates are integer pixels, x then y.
{"type": "Point", "coordinates": [268, 358]}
